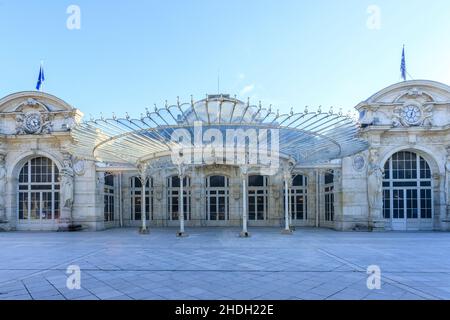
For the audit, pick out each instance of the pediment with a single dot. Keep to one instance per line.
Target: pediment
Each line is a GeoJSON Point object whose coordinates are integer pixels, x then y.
{"type": "Point", "coordinates": [422, 91]}
{"type": "Point", "coordinates": [33, 101]}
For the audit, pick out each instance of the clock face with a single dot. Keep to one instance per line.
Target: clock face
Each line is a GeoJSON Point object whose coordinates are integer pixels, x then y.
{"type": "Point", "coordinates": [412, 114]}
{"type": "Point", "coordinates": [33, 123]}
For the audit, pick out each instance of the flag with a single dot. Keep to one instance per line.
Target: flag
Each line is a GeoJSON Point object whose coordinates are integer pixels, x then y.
{"type": "Point", "coordinates": [403, 65]}
{"type": "Point", "coordinates": [41, 78]}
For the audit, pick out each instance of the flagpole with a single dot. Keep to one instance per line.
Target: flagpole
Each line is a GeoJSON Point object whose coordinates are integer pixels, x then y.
{"type": "Point", "coordinates": [42, 68]}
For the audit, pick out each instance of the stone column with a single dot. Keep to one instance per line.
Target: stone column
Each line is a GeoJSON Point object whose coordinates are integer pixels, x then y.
{"type": "Point", "coordinates": [143, 175]}
{"type": "Point", "coordinates": [181, 175]}
{"type": "Point", "coordinates": [447, 185]}
{"type": "Point", "coordinates": [318, 194]}
{"type": "Point", "coordinates": [374, 192]}
{"type": "Point", "coordinates": [244, 175]}
{"type": "Point", "coordinates": [2, 188]}
{"type": "Point", "coordinates": [338, 210]}
{"type": "Point", "coordinates": [287, 212]}
{"type": "Point", "coordinates": [67, 194]}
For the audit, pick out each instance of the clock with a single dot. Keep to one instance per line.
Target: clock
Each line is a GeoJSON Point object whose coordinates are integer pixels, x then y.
{"type": "Point", "coordinates": [32, 123]}
{"type": "Point", "coordinates": [411, 114]}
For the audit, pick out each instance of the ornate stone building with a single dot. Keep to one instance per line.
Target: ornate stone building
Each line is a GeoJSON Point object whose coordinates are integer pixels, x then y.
{"type": "Point", "coordinates": [397, 178]}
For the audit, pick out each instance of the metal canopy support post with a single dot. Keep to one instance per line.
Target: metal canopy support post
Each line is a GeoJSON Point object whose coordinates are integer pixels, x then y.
{"type": "Point", "coordinates": [143, 178]}
{"type": "Point", "coordinates": [181, 175]}
{"type": "Point", "coordinates": [244, 233]}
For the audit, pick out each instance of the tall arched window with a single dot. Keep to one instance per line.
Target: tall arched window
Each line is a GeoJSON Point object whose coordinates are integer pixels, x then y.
{"type": "Point", "coordinates": [299, 191]}
{"type": "Point", "coordinates": [136, 198]}
{"type": "Point", "coordinates": [217, 193]}
{"type": "Point", "coordinates": [407, 191]}
{"type": "Point", "coordinates": [329, 195]}
{"type": "Point", "coordinates": [108, 197]}
{"type": "Point", "coordinates": [257, 197]}
{"type": "Point", "coordinates": [173, 190]}
{"type": "Point", "coordinates": [39, 188]}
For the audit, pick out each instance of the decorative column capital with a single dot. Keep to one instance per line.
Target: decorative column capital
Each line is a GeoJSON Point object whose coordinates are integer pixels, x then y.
{"type": "Point", "coordinates": [244, 171]}
{"type": "Point", "coordinates": [181, 170]}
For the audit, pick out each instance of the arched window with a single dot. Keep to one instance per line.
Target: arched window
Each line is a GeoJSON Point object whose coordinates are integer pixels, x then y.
{"type": "Point", "coordinates": [173, 190]}
{"type": "Point", "coordinates": [39, 188]}
{"type": "Point", "coordinates": [217, 193]}
{"type": "Point", "coordinates": [299, 192]}
{"type": "Point", "coordinates": [108, 197]}
{"type": "Point", "coordinates": [257, 197]}
{"type": "Point", "coordinates": [329, 195]}
{"type": "Point", "coordinates": [407, 191]}
{"type": "Point", "coordinates": [136, 198]}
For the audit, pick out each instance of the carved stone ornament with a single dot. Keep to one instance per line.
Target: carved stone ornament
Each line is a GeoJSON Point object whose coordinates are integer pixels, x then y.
{"type": "Point", "coordinates": [359, 162]}
{"type": "Point", "coordinates": [33, 123]}
{"type": "Point", "coordinates": [79, 167]}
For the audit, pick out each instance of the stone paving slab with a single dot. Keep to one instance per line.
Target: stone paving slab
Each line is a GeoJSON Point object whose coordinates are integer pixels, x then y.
{"type": "Point", "coordinates": [214, 263]}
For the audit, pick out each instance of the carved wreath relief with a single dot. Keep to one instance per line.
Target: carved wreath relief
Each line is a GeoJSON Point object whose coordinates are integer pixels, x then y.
{"type": "Point", "coordinates": [33, 123]}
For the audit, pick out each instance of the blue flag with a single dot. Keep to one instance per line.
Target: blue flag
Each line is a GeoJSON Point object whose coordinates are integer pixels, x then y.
{"type": "Point", "coordinates": [41, 78]}
{"type": "Point", "coordinates": [403, 65]}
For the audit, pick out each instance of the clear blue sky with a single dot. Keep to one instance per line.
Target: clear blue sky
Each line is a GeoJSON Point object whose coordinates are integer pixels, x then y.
{"type": "Point", "coordinates": [132, 54]}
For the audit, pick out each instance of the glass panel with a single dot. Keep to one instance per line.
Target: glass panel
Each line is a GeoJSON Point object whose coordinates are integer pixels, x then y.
{"type": "Point", "coordinates": [217, 181]}
{"type": "Point", "coordinates": [329, 178]}
{"type": "Point", "coordinates": [256, 181]}
{"type": "Point", "coordinates": [297, 181]}
{"type": "Point", "coordinates": [387, 204]}
{"type": "Point", "coordinates": [35, 210]}
{"type": "Point", "coordinates": [23, 205]}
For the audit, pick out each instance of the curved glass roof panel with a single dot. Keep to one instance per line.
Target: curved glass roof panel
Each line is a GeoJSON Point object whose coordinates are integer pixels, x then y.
{"type": "Point", "coordinates": [307, 137]}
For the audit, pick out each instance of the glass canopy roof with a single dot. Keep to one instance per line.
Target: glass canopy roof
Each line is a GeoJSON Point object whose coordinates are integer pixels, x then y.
{"type": "Point", "coordinates": [307, 137]}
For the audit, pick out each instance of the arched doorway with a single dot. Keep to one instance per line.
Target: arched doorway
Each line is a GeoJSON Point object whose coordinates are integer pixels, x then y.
{"type": "Point", "coordinates": [217, 196]}
{"type": "Point", "coordinates": [173, 191]}
{"type": "Point", "coordinates": [38, 191]}
{"type": "Point", "coordinates": [299, 193]}
{"type": "Point", "coordinates": [258, 190]}
{"type": "Point", "coordinates": [407, 192]}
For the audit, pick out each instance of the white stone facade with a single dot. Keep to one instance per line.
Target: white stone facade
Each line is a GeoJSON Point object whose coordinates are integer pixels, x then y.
{"type": "Point", "coordinates": [406, 126]}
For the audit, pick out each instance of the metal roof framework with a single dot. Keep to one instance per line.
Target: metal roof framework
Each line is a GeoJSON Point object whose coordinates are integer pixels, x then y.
{"type": "Point", "coordinates": [306, 137]}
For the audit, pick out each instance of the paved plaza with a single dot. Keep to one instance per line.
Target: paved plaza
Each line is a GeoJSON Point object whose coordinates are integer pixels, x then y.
{"type": "Point", "coordinates": [214, 263]}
